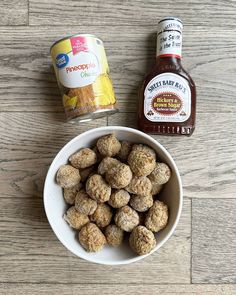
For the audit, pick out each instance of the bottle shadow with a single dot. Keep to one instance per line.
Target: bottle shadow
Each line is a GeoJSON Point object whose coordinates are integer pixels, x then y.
{"type": "Point", "coordinates": [147, 60]}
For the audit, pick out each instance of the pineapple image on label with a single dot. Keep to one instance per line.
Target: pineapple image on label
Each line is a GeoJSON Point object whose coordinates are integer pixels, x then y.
{"type": "Point", "coordinates": [103, 90]}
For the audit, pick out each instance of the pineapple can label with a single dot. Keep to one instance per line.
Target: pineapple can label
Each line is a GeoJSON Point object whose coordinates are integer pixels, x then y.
{"type": "Point", "coordinates": [82, 73]}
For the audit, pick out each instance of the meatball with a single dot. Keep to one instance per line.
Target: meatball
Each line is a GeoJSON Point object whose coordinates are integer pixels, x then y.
{"type": "Point", "coordinates": [91, 238]}
{"type": "Point", "coordinates": [86, 172]}
{"type": "Point", "coordinates": [102, 215]}
{"type": "Point", "coordinates": [126, 218]}
{"type": "Point", "coordinates": [140, 186]}
{"type": "Point", "coordinates": [126, 147]}
{"type": "Point", "coordinates": [142, 240]}
{"type": "Point", "coordinates": [67, 176]}
{"type": "Point", "coordinates": [157, 217]}
{"type": "Point", "coordinates": [114, 235]}
{"type": "Point", "coordinates": [119, 176]}
{"type": "Point", "coordinates": [84, 204]}
{"type": "Point", "coordinates": [141, 203]}
{"type": "Point", "coordinates": [161, 174]}
{"type": "Point", "coordinates": [119, 198]}
{"type": "Point", "coordinates": [156, 188]}
{"type": "Point", "coordinates": [106, 164]}
{"type": "Point", "coordinates": [142, 162]}
{"type": "Point", "coordinates": [83, 158]}
{"type": "Point", "coordinates": [75, 218]}
{"type": "Point", "coordinates": [108, 145]}
{"type": "Point", "coordinates": [70, 193]}
{"type": "Point", "coordinates": [98, 189]}
{"type": "Point", "coordinates": [144, 148]}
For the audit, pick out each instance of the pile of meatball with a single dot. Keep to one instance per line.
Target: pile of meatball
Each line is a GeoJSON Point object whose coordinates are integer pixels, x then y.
{"type": "Point", "coordinates": [112, 190]}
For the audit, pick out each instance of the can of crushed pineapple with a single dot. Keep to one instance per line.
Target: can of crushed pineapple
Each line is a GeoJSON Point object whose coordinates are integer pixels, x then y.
{"type": "Point", "coordinates": [82, 72]}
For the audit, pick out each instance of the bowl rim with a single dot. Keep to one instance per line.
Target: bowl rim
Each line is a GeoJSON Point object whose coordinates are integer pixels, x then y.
{"type": "Point", "coordinates": [111, 129]}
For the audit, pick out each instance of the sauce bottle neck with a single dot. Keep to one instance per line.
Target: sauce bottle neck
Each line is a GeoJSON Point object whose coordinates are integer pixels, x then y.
{"type": "Point", "coordinates": [172, 59]}
{"type": "Point", "coordinates": [169, 38]}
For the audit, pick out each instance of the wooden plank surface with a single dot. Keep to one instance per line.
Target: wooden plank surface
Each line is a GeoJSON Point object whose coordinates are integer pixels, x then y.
{"type": "Point", "coordinates": [119, 13]}
{"type": "Point", "coordinates": [29, 249]}
{"type": "Point", "coordinates": [14, 12]}
{"type": "Point", "coordinates": [206, 160]}
{"type": "Point", "coordinates": [214, 241]}
{"type": "Point", "coordinates": [212, 176]}
{"type": "Point", "coordinates": [33, 129]}
{"type": "Point", "coordinates": [30, 252]}
{"type": "Point", "coordinates": [116, 289]}
{"type": "Point", "coordinates": [27, 80]}
{"type": "Point", "coordinates": [29, 142]}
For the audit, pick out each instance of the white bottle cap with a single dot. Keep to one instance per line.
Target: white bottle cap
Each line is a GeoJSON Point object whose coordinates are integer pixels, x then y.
{"type": "Point", "coordinates": [169, 37]}
{"type": "Point", "coordinates": [170, 23]}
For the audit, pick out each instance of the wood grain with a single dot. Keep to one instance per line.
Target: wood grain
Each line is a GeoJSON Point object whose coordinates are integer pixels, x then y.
{"type": "Point", "coordinates": [27, 80]}
{"type": "Point", "coordinates": [120, 13]}
{"type": "Point", "coordinates": [29, 249]}
{"type": "Point", "coordinates": [33, 130]}
{"type": "Point", "coordinates": [116, 289]}
{"type": "Point", "coordinates": [14, 12]}
{"type": "Point", "coordinates": [214, 241]}
{"type": "Point", "coordinates": [26, 152]}
{"type": "Point", "coordinates": [211, 151]}
{"type": "Point", "coordinates": [206, 160]}
{"type": "Point", "coordinates": [30, 252]}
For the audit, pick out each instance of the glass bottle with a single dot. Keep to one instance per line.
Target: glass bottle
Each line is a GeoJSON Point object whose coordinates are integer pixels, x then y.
{"type": "Point", "coordinates": [168, 95]}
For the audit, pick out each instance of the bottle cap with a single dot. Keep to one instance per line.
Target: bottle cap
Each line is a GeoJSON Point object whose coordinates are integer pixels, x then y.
{"type": "Point", "coordinates": [170, 24]}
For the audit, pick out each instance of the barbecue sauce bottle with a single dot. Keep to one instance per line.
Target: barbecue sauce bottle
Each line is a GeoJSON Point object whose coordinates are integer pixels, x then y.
{"type": "Point", "coordinates": [168, 95]}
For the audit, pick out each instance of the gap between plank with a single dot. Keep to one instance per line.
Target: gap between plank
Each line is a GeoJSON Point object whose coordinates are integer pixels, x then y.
{"type": "Point", "coordinates": [111, 284]}
{"type": "Point", "coordinates": [106, 284]}
{"type": "Point", "coordinates": [191, 246]}
{"type": "Point", "coordinates": [28, 12]}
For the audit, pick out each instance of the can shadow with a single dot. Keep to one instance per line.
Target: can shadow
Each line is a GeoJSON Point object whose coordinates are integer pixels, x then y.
{"type": "Point", "coordinates": [150, 52]}
{"type": "Point", "coordinates": [51, 95]}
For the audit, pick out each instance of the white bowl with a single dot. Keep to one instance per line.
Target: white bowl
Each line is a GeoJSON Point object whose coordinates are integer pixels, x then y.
{"type": "Point", "coordinates": [55, 205]}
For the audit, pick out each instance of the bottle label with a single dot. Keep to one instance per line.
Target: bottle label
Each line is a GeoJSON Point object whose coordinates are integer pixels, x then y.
{"type": "Point", "coordinates": [169, 38]}
{"type": "Point", "coordinates": [167, 98]}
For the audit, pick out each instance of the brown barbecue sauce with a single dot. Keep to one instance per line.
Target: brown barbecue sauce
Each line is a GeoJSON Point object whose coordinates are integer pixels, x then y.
{"type": "Point", "coordinates": [168, 95]}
